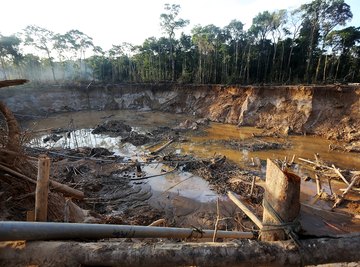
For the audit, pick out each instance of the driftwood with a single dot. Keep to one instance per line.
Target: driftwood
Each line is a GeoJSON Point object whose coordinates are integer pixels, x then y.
{"type": "Point", "coordinates": [333, 168]}
{"type": "Point", "coordinates": [318, 185]}
{"type": "Point", "coordinates": [347, 190]}
{"type": "Point", "coordinates": [337, 171]}
{"type": "Point", "coordinates": [240, 253]}
{"type": "Point", "coordinates": [314, 163]}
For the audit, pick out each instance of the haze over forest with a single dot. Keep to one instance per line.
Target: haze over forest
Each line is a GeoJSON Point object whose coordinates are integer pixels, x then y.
{"type": "Point", "coordinates": [310, 44]}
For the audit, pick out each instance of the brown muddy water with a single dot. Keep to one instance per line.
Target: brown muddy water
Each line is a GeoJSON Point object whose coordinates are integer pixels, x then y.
{"type": "Point", "coordinates": [183, 190]}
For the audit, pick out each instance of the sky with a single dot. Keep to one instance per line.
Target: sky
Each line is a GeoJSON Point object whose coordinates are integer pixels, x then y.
{"type": "Point", "coordinates": [112, 22]}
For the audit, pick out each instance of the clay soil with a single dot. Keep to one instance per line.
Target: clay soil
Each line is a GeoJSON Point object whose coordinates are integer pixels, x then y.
{"type": "Point", "coordinates": [115, 191]}
{"type": "Point", "coordinates": [114, 187]}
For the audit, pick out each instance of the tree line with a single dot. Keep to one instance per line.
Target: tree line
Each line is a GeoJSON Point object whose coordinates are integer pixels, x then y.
{"type": "Point", "coordinates": [310, 44]}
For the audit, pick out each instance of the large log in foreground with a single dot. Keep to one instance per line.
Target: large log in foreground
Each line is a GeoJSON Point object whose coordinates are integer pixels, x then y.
{"type": "Point", "coordinates": [7, 83]}
{"type": "Point", "coordinates": [240, 253]}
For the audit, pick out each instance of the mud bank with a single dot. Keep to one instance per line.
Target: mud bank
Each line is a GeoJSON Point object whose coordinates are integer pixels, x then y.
{"type": "Point", "coordinates": [330, 111]}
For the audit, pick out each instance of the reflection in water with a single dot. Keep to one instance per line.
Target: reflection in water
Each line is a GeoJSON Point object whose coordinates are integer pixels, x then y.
{"type": "Point", "coordinates": [184, 184]}
{"type": "Point", "coordinates": [301, 146]}
{"type": "Point", "coordinates": [180, 193]}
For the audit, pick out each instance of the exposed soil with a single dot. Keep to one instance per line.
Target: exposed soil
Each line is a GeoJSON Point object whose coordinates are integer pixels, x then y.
{"type": "Point", "coordinates": [281, 109]}
{"type": "Point", "coordinates": [112, 197]}
{"type": "Point", "coordinates": [115, 187]}
{"type": "Point", "coordinates": [112, 127]}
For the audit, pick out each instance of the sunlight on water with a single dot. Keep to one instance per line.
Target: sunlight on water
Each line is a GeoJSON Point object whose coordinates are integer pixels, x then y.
{"type": "Point", "coordinates": [300, 146]}
{"type": "Point", "coordinates": [203, 146]}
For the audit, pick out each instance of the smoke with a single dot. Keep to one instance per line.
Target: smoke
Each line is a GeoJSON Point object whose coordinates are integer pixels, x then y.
{"type": "Point", "coordinates": [44, 71]}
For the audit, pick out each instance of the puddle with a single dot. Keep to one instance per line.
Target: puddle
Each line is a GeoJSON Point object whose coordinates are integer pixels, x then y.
{"type": "Point", "coordinates": [181, 189]}
{"type": "Point", "coordinates": [300, 146]}
{"type": "Point", "coordinates": [183, 184]}
{"type": "Point", "coordinates": [89, 119]}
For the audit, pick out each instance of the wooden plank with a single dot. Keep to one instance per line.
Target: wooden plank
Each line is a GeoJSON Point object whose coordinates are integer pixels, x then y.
{"type": "Point", "coordinates": [42, 189]}
{"type": "Point", "coordinates": [245, 209]}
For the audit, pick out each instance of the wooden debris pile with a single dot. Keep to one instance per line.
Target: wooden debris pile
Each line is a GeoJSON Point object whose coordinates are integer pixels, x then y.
{"type": "Point", "coordinates": [224, 175]}
{"type": "Point", "coordinates": [18, 174]}
{"type": "Point", "coordinates": [323, 171]}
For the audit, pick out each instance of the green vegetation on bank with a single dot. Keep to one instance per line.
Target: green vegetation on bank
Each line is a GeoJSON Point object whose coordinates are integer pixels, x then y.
{"type": "Point", "coordinates": [310, 44]}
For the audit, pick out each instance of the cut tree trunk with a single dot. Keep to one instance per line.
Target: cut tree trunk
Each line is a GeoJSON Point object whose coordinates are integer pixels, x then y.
{"type": "Point", "coordinates": [281, 202]}
{"type": "Point", "coordinates": [240, 253]}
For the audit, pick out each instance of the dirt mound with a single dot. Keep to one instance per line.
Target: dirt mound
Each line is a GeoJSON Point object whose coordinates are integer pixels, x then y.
{"type": "Point", "coordinates": [136, 139]}
{"type": "Point", "coordinates": [112, 127]}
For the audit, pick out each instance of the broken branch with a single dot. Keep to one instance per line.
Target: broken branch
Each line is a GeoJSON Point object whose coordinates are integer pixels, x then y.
{"type": "Point", "coordinates": [245, 209]}
{"type": "Point", "coordinates": [55, 185]}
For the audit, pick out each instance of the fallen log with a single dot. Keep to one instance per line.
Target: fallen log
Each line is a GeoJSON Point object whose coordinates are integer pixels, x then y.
{"type": "Point", "coordinates": [128, 254]}
{"type": "Point", "coordinates": [13, 142]}
{"type": "Point", "coordinates": [7, 83]}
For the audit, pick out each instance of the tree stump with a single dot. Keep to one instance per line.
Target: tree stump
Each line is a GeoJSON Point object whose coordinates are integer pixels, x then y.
{"type": "Point", "coordinates": [281, 202]}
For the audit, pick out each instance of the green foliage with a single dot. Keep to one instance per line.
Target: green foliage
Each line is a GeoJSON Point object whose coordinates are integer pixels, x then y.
{"type": "Point", "coordinates": [9, 52]}
{"type": "Point", "coordinates": [305, 45]}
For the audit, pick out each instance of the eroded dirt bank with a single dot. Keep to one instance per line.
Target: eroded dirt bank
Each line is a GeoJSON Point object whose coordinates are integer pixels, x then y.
{"type": "Point", "coordinates": [330, 111]}
{"type": "Point", "coordinates": [117, 186]}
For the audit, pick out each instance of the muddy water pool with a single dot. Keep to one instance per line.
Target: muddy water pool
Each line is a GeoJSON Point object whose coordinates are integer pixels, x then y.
{"type": "Point", "coordinates": [184, 189]}
{"type": "Point", "coordinates": [84, 122]}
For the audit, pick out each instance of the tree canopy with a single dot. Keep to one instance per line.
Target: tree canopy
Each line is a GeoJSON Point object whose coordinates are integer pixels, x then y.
{"type": "Point", "coordinates": [310, 44]}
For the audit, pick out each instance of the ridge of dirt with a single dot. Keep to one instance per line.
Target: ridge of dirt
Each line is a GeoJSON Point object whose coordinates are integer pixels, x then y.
{"type": "Point", "coordinates": [331, 111]}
